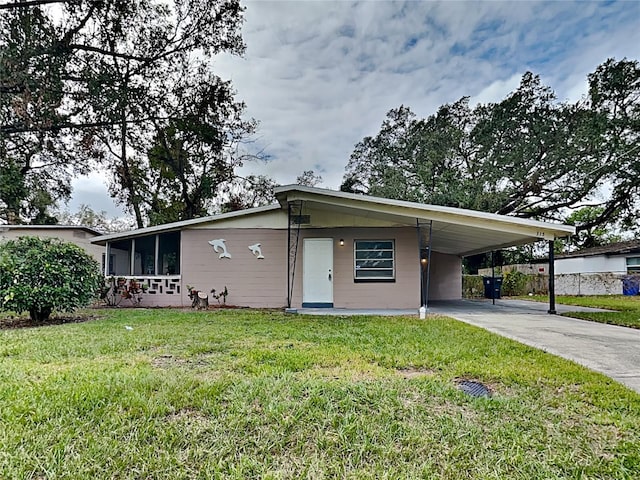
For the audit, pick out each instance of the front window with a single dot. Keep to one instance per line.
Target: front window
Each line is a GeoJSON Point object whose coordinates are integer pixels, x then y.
{"type": "Point", "coordinates": [374, 260]}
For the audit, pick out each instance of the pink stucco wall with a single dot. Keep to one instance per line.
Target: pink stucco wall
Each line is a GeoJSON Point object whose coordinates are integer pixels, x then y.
{"type": "Point", "coordinates": [257, 282]}
{"type": "Point", "coordinates": [250, 281]}
{"type": "Point", "coordinates": [446, 271]}
{"type": "Point", "coordinates": [446, 277]}
{"type": "Point", "coordinates": [403, 293]}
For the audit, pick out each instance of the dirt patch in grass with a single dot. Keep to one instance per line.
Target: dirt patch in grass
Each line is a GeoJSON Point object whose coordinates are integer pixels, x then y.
{"type": "Point", "coordinates": [25, 322]}
{"type": "Point", "coordinates": [203, 367]}
{"type": "Point", "coordinates": [355, 373]}
{"type": "Point", "coordinates": [190, 418]}
{"type": "Point", "coordinates": [169, 361]}
{"type": "Point", "coordinates": [413, 372]}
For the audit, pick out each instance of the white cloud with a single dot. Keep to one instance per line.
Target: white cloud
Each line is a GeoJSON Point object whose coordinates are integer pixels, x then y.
{"type": "Point", "coordinates": [497, 90]}
{"type": "Point", "coordinates": [320, 76]}
{"type": "Point", "coordinates": [92, 190]}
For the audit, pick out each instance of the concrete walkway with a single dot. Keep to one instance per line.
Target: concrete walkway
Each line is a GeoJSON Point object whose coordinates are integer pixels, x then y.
{"type": "Point", "coordinates": [608, 349]}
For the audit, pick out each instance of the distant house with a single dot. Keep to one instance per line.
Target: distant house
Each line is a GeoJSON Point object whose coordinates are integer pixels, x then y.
{"type": "Point", "coordinates": [79, 235]}
{"type": "Point", "coordinates": [619, 258]}
{"type": "Point", "coordinates": [600, 270]}
{"type": "Point", "coordinates": [317, 248]}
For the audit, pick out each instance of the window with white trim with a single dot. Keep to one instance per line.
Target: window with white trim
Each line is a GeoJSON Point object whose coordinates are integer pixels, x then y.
{"type": "Point", "coordinates": [374, 260]}
{"type": "Point", "coordinates": [633, 265]}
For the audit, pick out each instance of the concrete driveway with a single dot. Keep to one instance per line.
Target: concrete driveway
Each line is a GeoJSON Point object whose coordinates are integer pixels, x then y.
{"type": "Point", "coordinates": [609, 349]}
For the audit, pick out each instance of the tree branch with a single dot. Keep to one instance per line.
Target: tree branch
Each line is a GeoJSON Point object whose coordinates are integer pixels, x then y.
{"type": "Point", "coordinates": [27, 3]}
{"type": "Point", "coordinates": [17, 128]}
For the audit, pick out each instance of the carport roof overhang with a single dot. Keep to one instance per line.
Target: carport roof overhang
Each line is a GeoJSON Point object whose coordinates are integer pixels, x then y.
{"type": "Point", "coordinates": [454, 230]}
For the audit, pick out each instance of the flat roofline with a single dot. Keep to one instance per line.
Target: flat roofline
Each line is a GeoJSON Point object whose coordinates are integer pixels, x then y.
{"type": "Point", "coordinates": [169, 227]}
{"type": "Point", "coordinates": [51, 227]}
{"type": "Point", "coordinates": [561, 230]}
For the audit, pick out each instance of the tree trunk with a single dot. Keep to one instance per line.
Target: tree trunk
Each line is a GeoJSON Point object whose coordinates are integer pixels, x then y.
{"type": "Point", "coordinates": [127, 180]}
{"type": "Point", "coordinates": [203, 301]}
{"type": "Point", "coordinates": [39, 314]}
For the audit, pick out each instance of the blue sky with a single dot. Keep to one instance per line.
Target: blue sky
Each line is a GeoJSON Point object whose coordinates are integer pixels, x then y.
{"type": "Point", "coordinates": [320, 76]}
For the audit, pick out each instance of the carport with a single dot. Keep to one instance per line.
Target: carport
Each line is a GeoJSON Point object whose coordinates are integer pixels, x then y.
{"type": "Point", "coordinates": [444, 230]}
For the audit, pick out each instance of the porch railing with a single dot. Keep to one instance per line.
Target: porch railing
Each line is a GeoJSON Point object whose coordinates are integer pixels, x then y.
{"type": "Point", "coordinates": [155, 284]}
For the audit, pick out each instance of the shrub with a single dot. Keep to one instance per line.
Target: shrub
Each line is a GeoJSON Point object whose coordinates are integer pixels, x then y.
{"type": "Point", "coordinates": [43, 275]}
{"type": "Point", "coordinates": [514, 283]}
{"type": "Point", "coordinates": [472, 286]}
{"type": "Point", "coordinates": [114, 289]}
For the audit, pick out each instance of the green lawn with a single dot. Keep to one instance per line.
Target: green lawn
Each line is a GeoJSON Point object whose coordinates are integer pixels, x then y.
{"type": "Point", "coordinates": [249, 394]}
{"type": "Point", "coordinates": [627, 314]}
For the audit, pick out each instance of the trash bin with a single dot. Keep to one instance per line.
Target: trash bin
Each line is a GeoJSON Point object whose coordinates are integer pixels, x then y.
{"type": "Point", "coordinates": [492, 286]}
{"type": "Point", "coordinates": [631, 285]}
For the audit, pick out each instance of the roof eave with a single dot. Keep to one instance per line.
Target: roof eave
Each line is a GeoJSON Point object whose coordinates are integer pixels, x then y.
{"type": "Point", "coordinates": [532, 228]}
{"type": "Point", "coordinates": [85, 228]}
{"type": "Point", "coordinates": [171, 227]}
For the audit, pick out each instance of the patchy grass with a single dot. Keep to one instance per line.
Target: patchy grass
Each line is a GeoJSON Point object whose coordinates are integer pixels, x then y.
{"type": "Point", "coordinates": [249, 394]}
{"type": "Point", "coordinates": [627, 308]}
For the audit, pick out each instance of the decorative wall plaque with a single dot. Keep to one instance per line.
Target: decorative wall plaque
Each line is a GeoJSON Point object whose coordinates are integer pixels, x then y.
{"type": "Point", "coordinates": [219, 246]}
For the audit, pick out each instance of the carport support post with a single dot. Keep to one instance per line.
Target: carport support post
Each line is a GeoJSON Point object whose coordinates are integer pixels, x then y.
{"type": "Point", "coordinates": [426, 288]}
{"type": "Point", "coordinates": [288, 255]}
{"type": "Point", "coordinates": [419, 235]}
{"type": "Point", "coordinates": [424, 283]}
{"type": "Point", "coordinates": [493, 279]}
{"type": "Point", "coordinates": [552, 280]}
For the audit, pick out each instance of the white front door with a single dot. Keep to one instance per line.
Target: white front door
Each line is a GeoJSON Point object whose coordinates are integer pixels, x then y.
{"type": "Point", "coordinates": [317, 272]}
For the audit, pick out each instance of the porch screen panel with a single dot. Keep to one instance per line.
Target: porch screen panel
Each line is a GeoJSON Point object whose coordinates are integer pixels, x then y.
{"type": "Point", "coordinates": [169, 253]}
{"type": "Point", "coordinates": [374, 259]}
{"type": "Point", "coordinates": [145, 256]}
{"type": "Point", "coordinates": [121, 252]}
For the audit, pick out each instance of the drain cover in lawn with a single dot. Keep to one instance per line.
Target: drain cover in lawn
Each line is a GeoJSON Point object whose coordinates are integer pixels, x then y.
{"type": "Point", "coordinates": [475, 389]}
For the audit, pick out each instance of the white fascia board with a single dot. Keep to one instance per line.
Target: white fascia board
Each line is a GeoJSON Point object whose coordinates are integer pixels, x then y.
{"type": "Point", "coordinates": [84, 228]}
{"type": "Point", "coordinates": [169, 227]}
{"type": "Point", "coordinates": [530, 228]}
{"type": "Point", "coordinates": [524, 241]}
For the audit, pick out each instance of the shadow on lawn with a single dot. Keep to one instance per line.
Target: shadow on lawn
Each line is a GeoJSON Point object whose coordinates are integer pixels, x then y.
{"type": "Point", "coordinates": [19, 321]}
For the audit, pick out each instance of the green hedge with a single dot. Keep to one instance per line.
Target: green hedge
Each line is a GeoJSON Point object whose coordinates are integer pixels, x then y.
{"type": "Point", "coordinates": [513, 284]}
{"type": "Point", "coordinates": [472, 286]}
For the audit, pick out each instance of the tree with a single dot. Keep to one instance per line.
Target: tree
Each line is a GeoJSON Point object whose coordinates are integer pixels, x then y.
{"type": "Point", "coordinates": [156, 83]}
{"type": "Point", "coordinates": [194, 158]}
{"type": "Point", "coordinates": [43, 275]}
{"type": "Point", "coordinates": [527, 155]}
{"type": "Point", "coordinates": [87, 217]}
{"type": "Point", "coordinates": [118, 75]}
{"type": "Point", "coordinates": [597, 233]}
{"type": "Point", "coordinates": [309, 178]}
{"type": "Point", "coordinates": [421, 160]}
{"type": "Point", "coordinates": [614, 101]}
{"type": "Point", "coordinates": [35, 162]}
{"type": "Point", "coordinates": [247, 192]}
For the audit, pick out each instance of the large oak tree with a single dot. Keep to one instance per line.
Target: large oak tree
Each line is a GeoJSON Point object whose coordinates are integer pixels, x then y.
{"type": "Point", "coordinates": [528, 155]}
{"type": "Point", "coordinates": [115, 82]}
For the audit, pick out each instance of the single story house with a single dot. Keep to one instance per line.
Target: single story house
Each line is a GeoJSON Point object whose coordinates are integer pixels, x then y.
{"type": "Point", "coordinates": [317, 248]}
{"type": "Point", "coordinates": [602, 270]}
{"type": "Point", "coordinates": [619, 258]}
{"type": "Point", "coordinates": [80, 235]}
